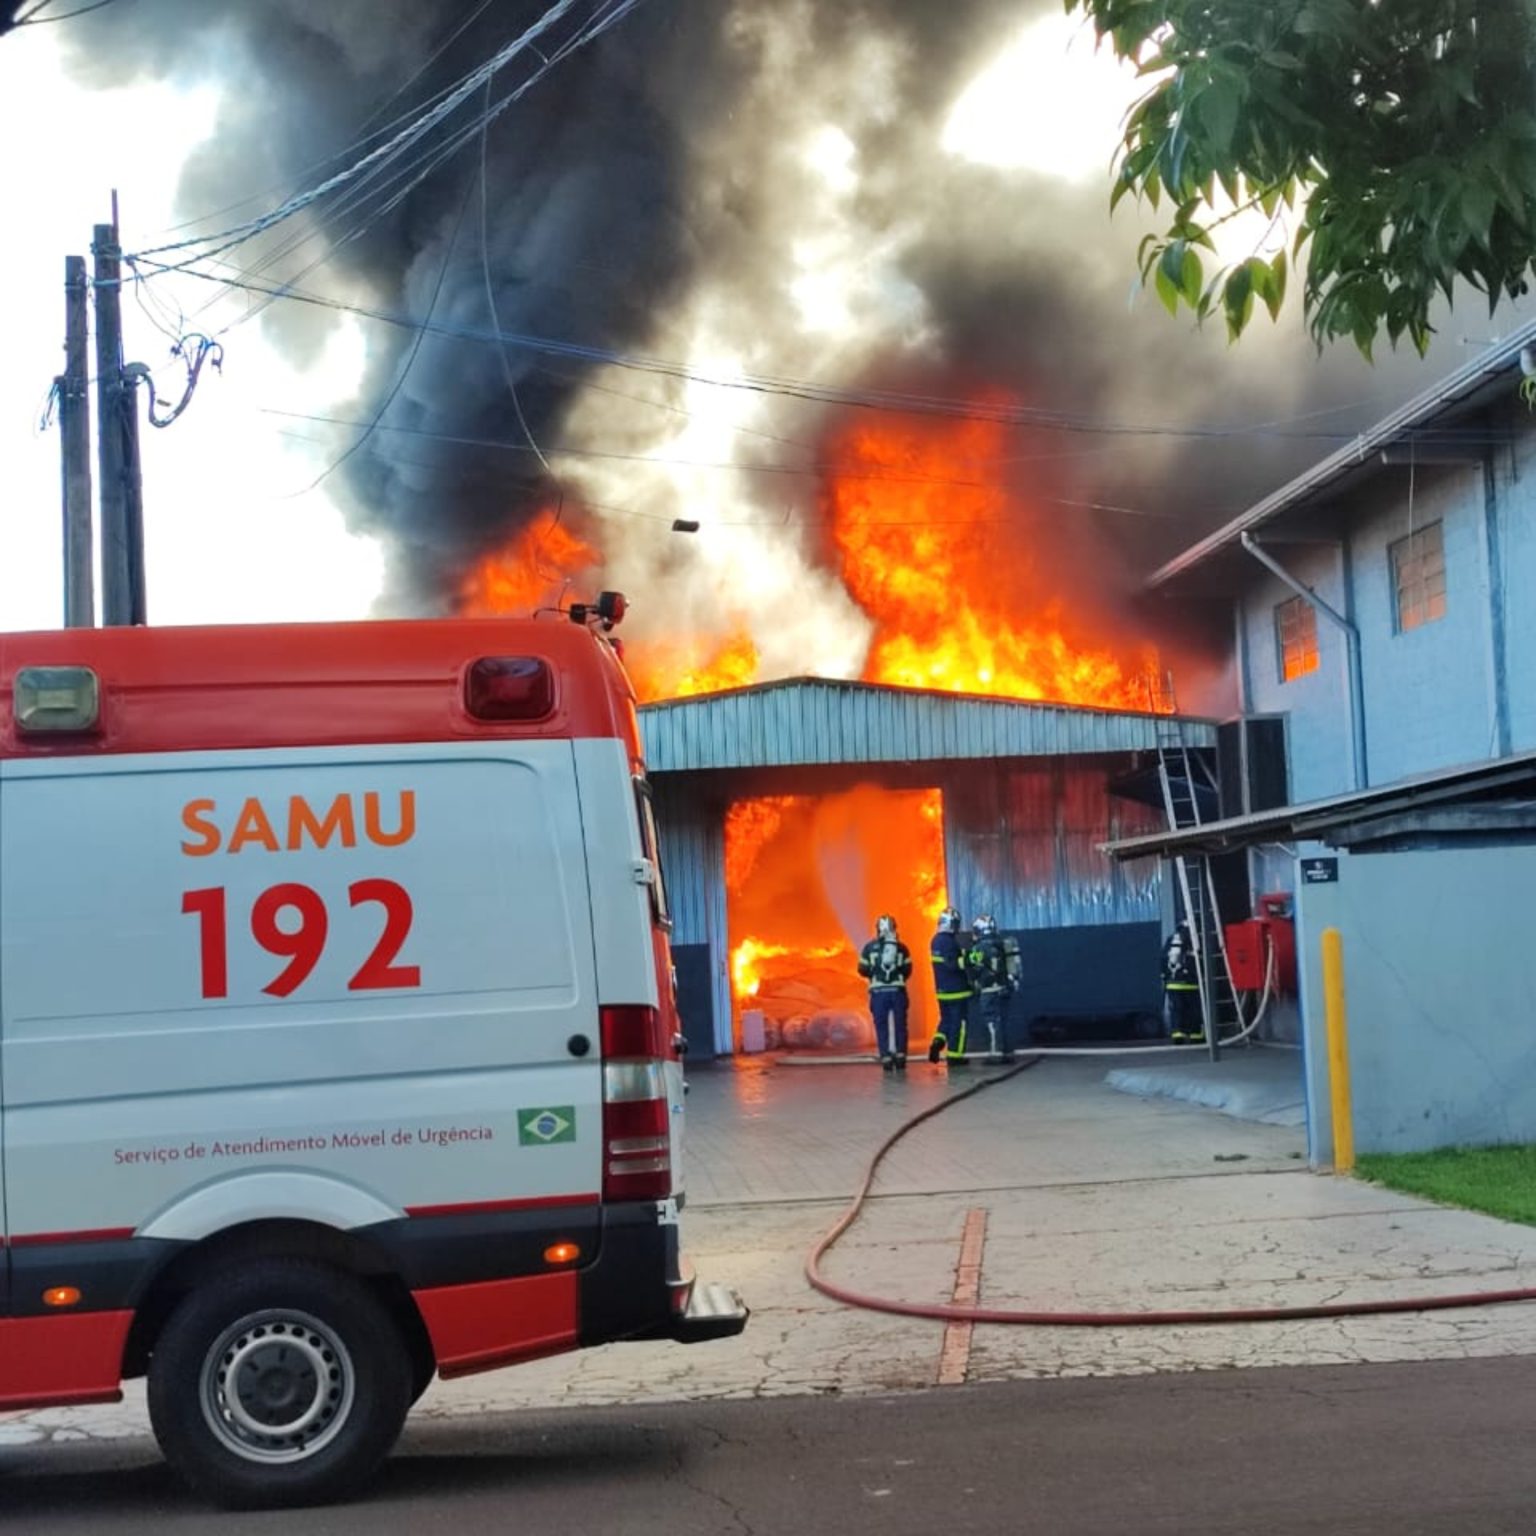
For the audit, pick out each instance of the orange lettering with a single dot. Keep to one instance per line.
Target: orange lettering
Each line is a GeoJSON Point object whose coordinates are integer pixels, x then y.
{"type": "Point", "coordinates": [194, 820]}
{"type": "Point", "coordinates": [407, 828]}
{"type": "Point", "coordinates": [253, 827]}
{"type": "Point", "coordinates": [338, 820]}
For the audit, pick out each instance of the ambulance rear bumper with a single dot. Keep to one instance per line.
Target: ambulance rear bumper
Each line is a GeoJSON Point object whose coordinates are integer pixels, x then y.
{"type": "Point", "coordinates": [642, 1286]}
{"type": "Point", "coordinates": [714, 1311]}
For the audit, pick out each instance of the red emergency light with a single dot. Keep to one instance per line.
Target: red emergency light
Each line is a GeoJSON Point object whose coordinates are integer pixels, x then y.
{"type": "Point", "coordinates": [509, 688]}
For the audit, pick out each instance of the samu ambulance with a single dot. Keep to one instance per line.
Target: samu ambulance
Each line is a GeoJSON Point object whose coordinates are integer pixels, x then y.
{"type": "Point", "coordinates": [338, 1045]}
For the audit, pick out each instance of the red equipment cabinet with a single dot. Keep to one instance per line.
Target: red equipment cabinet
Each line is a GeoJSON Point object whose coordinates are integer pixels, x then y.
{"type": "Point", "coordinates": [1249, 944]}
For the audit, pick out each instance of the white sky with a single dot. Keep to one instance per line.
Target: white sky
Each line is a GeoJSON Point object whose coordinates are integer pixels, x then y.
{"type": "Point", "coordinates": [227, 540]}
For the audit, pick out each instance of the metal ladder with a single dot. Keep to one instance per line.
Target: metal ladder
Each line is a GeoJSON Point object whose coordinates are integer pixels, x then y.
{"type": "Point", "coordinates": [1179, 770]}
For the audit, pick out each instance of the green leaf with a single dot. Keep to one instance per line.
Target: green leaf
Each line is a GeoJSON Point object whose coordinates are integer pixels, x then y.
{"type": "Point", "coordinates": [1479, 202]}
{"type": "Point", "coordinates": [1193, 277]}
{"type": "Point", "coordinates": [1167, 291]}
{"type": "Point", "coordinates": [1278, 272]}
{"type": "Point", "coordinates": [1219, 107]}
{"type": "Point", "coordinates": [1238, 300]}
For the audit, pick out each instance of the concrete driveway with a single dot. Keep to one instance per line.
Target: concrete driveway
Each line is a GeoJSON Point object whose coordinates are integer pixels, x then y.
{"type": "Point", "coordinates": [1090, 1199]}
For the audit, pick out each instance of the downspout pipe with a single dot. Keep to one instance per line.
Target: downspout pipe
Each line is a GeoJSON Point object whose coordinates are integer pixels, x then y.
{"type": "Point", "coordinates": [1351, 644]}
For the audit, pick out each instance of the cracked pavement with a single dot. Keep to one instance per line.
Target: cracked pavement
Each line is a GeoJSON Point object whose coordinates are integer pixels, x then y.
{"type": "Point", "coordinates": [1095, 1200]}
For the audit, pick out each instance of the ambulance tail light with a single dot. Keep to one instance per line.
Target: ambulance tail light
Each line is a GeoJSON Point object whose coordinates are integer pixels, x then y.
{"type": "Point", "coordinates": [637, 1137]}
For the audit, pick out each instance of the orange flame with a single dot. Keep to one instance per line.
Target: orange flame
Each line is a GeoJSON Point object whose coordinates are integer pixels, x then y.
{"type": "Point", "coordinates": [791, 951]}
{"type": "Point", "coordinates": [676, 669]}
{"type": "Point", "coordinates": [531, 572]}
{"type": "Point", "coordinates": [931, 546]}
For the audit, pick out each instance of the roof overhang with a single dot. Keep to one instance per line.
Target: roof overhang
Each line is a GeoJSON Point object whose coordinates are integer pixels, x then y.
{"type": "Point", "coordinates": [1291, 514]}
{"type": "Point", "coordinates": [1348, 819]}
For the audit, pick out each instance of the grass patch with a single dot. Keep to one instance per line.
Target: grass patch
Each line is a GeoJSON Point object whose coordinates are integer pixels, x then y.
{"type": "Point", "coordinates": [1500, 1181]}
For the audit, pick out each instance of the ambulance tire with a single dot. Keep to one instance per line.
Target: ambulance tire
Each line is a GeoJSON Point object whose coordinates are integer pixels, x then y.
{"type": "Point", "coordinates": [302, 1344]}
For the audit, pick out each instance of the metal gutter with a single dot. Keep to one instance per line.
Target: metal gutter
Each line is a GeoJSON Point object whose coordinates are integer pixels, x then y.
{"type": "Point", "coordinates": [1417, 412]}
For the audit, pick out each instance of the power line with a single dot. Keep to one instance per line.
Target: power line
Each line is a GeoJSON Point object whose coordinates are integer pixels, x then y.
{"type": "Point", "coordinates": [33, 18]}
{"type": "Point", "coordinates": [608, 14]}
{"type": "Point", "coordinates": [839, 469]}
{"type": "Point", "coordinates": [400, 378]}
{"type": "Point", "coordinates": [890, 401]}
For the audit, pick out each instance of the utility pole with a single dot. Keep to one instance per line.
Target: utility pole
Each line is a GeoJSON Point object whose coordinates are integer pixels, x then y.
{"type": "Point", "coordinates": [75, 444]}
{"type": "Point", "coordinates": [117, 443]}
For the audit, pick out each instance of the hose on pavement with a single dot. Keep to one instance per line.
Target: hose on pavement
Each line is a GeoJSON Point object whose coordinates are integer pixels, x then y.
{"type": "Point", "coordinates": [950, 1313]}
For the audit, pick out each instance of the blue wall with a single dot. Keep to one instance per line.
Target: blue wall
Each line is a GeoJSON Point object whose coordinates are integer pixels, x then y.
{"type": "Point", "coordinates": [1515, 531]}
{"type": "Point", "coordinates": [1440, 978]}
{"type": "Point", "coordinates": [1432, 694]}
{"type": "Point", "coordinates": [1318, 732]}
{"type": "Point", "coordinates": [1428, 691]}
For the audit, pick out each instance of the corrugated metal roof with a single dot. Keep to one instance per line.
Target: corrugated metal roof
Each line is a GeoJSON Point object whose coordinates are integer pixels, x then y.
{"type": "Point", "coordinates": [802, 721]}
{"type": "Point", "coordinates": [1408, 421]}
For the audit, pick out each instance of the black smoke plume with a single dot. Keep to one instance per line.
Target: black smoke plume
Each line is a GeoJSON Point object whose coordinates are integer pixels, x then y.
{"type": "Point", "coordinates": [654, 186]}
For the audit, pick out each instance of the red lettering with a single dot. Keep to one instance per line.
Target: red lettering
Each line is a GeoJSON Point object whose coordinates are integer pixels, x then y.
{"type": "Point", "coordinates": [208, 907]}
{"type": "Point", "coordinates": [379, 972]}
{"type": "Point", "coordinates": [303, 946]}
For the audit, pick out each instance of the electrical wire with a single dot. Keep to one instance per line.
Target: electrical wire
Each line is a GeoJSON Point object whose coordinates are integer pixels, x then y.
{"type": "Point", "coordinates": [33, 19]}
{"type": "Point", "coordinates": [888, 401]}
{"type": "Point", "coordinates": [410, 359]}
{"type": "Point", "coordinates": [407, 136]}
{"type": "Point", "coordinates": [817, 470]}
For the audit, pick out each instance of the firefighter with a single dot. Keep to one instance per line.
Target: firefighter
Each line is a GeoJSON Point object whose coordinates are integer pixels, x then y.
{"type": "Point", "coordinates": [885, 962]}
{"type": "Point", "coordinates": [995, 970]}
{"type": "Point", "coordinates": [952, 985]}
{"type": "Point", "coordinates": [1181, 989]}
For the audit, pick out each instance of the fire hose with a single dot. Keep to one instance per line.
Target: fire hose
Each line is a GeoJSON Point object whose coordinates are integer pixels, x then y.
{"type": "Point", "coordinates": [950, 1313]}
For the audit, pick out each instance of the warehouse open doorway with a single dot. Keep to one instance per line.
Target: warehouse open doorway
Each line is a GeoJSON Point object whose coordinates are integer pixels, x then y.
{"type": "Point", "coordinates": [806, 875]}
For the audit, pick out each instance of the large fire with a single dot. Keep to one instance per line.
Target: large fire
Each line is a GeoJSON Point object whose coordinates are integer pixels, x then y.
{"type": "Point", "coordinates": [943, 557]}
{"type": "Point", "coordinates": [930, 542]}
{"type": "Point", "coordinates": [937, 551]}
{"type": "Point", "coordinates": [805, 877]}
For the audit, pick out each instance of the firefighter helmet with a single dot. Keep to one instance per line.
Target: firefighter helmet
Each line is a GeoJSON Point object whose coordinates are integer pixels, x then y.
{"type": "Point", "coordinates": [984, 926]}
{"type": "Point", "coordinates": [885, 926]}
{"type": "Point", "coordinates": [949, 920]}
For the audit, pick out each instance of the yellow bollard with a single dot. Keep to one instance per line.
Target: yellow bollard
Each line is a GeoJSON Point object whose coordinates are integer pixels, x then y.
{"type": "Point", "coordinates": [1338, 1052]}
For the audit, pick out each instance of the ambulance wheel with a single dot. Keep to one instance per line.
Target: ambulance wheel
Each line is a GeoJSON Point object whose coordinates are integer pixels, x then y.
{"type": "Point", "coordinates": [282, 1383]}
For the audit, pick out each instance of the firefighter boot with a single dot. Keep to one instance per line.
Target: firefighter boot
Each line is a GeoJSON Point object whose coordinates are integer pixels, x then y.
{"type": "Point", "coordinates": [936, 1049]}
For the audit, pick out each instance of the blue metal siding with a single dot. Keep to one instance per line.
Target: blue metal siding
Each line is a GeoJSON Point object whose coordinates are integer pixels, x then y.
{"type": "Point", "coordinates": [1022, 842]}
{"type": "Point", "coordinates": [691, 858]}
{"type": "Point", "coordinates": [813, 721]}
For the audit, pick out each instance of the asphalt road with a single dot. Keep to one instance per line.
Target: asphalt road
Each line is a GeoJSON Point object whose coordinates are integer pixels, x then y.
{"type": "Point", "coordinates": [1366, 1449]}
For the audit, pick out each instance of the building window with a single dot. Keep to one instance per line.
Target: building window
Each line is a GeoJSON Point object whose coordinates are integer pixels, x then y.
{"type": "Point", "coordinates": [1296, 638]}
{"type": "Point", "coordinates": [1418, 577]}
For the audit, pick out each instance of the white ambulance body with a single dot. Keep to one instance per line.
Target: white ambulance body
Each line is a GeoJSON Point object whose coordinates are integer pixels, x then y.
{"type": "Point", "coordinates": [338, 1045]}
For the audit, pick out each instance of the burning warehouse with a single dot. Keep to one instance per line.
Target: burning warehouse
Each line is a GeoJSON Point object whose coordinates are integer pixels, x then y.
{"type": "Point", "coordinates": [792, 812]}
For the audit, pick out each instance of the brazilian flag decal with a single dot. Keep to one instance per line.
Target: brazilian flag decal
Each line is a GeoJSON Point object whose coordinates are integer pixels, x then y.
{"type": "Point", "coordinates": [546, 1127]}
